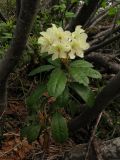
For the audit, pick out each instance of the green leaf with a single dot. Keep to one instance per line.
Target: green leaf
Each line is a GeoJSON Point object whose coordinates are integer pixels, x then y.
{"type": "Point", "coordinates": [56, 7]}
{"type": "Point", "coordinates": [59, 128]}
{"type": "Point", "coordinates": [69, 14]}
{"type": "Point", "coordinates": [113, 11]}
{"type": "Point", "coordinates": [7, 35]}
{"type": "Point", "coordinates": [41, 69]}
{"type": "Point", "coordinates": [90, 72]}
{"type": "Point", "coordinates": [81, 63]}
{"type": "Point", "coordinates": [81, 70]}
{"type": "Point", "coordinates": [56, 62]}
{"type": "Point", "coordinates": [34, 99]}
{"type": "Point", "coordinates": [79, 76]}
{"type": "Point", "coordinates": [87, 2]}
{"type": "Point", "coordinates": [73, 107]}
{"type": "Point", "coordinates": [62, 100]}
{"type": "Point", "coordinates": [104, 4]}
{"type": "Point", "coordinates": [74, 1]}
{"type": "Point", "coordinates": [85, 93]}
{"type": "Point", "coordinates": [118, 22]}
{"type": "Point", "coordinates": [60, 7]}
{"type": "Point", "coordinates": [31, 132]}
{"type": "Point", "coordinates": [56, 83]}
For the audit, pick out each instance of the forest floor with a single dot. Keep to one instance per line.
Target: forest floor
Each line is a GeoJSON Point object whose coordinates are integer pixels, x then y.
{"type": "Point", "coordinates": [15, 148]}
{"type": "Point", "coordinates": [12, 147]}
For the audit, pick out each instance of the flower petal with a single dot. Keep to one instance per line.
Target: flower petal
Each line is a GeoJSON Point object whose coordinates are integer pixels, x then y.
{"type": "Point", "coordinates": [54, 56]}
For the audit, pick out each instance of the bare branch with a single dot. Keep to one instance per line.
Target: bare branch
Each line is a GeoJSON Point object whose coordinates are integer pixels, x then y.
{"type": "Point", "coordinates": [102, 44]}
{"type": "Point", "coordinates": [98, 19]}
{"type": "Point", "coordinates": [101, 15]}
{"type": "Point", "coordinates": [103, 61]}
{"type": "Point", "coordinates": [100, 37]}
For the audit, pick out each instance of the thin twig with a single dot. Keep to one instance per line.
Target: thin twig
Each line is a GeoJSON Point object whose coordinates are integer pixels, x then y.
{"type": "Point", "coordinates": [102, 44]}
{"type": "Point", "coordinates": [100, 16]}
{"type": "Point", "coordinates": [93, 135]}
{"type": "Point", "coordinates": [2, 113]}
{"type": "Point", "coordinates": [11, 134]}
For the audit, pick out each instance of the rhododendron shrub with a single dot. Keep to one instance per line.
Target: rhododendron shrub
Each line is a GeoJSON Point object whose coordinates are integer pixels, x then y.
{"type": "Point", "coordinates": [65, 77]}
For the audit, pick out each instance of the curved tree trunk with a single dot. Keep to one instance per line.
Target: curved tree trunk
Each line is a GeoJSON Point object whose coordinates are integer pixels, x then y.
{"type": "Point", "coordinates": [18, 7]}
{"type": "Point", "coordinates": [7, 64]}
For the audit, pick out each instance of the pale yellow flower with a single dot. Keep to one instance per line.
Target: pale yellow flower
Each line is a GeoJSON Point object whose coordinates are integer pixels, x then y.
{"type": "Point", "coordinates": [78, 31]}
{"type": "Point", "coordinates": [63, 44]}
{"type": "Point", "coordinates": [83, 44]}
{"type": "Point", "coordinates": [44, 44]}
{"type": "Point", "coordinates": [59, 34]}
{"type": "Point", "coordinates": [45, 41]}
{"type": "Point", "coordinates": [75, 49]}
{"type": "Point", "coordinates": [59, 50]}
{"type": "Point", "coordinates": [79, 38]}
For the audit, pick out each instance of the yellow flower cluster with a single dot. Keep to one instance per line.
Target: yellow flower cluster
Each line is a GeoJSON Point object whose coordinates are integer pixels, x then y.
{"type": "Point", "coordinates": [63, 44]}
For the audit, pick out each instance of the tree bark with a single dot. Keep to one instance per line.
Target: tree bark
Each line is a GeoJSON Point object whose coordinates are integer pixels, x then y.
{"type": "Point", "coordinates": [12, 56]}
{"type": "Point", "coordinates": [83, 15]}
{"type": "Point", "coordinates": [18, 6]}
